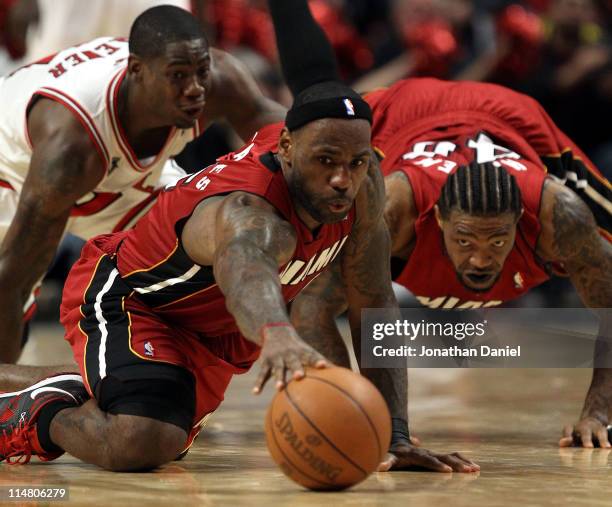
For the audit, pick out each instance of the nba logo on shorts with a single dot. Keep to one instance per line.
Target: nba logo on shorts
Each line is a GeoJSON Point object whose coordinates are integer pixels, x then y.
{"type": "Point", "coordinates": [350, 109]}
{"type": "Point", "coordinates": [149, 350]}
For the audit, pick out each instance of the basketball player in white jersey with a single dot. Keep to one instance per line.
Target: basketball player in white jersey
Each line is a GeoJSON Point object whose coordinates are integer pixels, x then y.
{"type": "Point", "coordinates": [84, 135]}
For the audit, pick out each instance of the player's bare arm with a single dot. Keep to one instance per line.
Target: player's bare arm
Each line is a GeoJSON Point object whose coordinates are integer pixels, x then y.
{"type": "Point", "coordinates": [570, 236]}
{"type": "Point", "coordinates": [235, 97]}
{"type": "Point", "coordinates": [368, 280]}
{"type": "Point", "coordinates": [250, 242]}
{"type": "Point", "coordinates": [365, 269]}
{"type": "Point", "coordinates": [64, 167]}
{"type": "Point", "coordinates": [400, 214]}
{"type": "Point", "coordinates": [314, 313]}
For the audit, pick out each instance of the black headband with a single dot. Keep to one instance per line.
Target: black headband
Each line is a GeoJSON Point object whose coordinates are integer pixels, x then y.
{"type": "Point", "coordinates": [349, 108]}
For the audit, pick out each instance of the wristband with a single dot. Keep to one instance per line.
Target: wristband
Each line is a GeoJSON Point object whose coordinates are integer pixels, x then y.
{"type": "Point", "coordinates": [399, 430]}
{"type": "Point", "coordinates": [269, 325]}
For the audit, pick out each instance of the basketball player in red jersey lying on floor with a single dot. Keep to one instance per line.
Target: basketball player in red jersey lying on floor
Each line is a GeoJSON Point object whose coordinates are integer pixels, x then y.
{"type": "Point", "coordinates": [485, 199]}
{"type": "Point", "coordinates": [162, 316]}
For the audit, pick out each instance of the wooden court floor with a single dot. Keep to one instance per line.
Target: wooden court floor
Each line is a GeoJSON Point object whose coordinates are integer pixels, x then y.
{"type": "Point", "coordinates": [507, 420]}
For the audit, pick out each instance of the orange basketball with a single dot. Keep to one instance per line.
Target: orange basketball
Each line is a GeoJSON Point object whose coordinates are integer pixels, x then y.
{"type": "Point", "coordinates": [329, 430]}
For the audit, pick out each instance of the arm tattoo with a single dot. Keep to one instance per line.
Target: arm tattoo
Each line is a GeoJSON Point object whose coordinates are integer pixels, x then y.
{"type": "Point", "coordinates": [366, 266]}
{"type": "Point", "coordinates": [588, 259]}
{"type": "Point", "coordinates": [255, 242]}
{"type": "Point", "coordinates": [372, 288]}
{"type": "Point", "coordinates": [393, 220]}
{"type": "Point", "coordinates": [586, 255]}
{"type": "Point", "coordinates": [314, 312]}
{"type": "Point", "coordinates": [367, 274]}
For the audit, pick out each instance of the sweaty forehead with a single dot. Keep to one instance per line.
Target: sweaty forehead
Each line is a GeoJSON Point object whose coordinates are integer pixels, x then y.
{"type": "Point", "coordinates": [347, 135]}
{"type": "Point", "coordinates": [187, 51]}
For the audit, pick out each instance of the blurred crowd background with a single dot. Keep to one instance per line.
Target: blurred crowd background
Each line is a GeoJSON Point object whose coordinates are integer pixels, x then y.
{"type": "Point", "coordinates": [558, 51]}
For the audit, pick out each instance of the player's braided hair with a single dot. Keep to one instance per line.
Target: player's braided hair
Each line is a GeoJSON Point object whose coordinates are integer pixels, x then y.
{"type": "Point", "coordinates": [480, 189]}
{"type": "Point", "coordinates": [155, 28]}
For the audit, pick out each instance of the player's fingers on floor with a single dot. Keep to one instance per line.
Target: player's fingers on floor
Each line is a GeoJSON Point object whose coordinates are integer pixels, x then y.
{"type": "Point", "coordinates": [431, 463]}
{"type": "Point", "coordinates": [586, 438]}
{"type": "Point", "coordinates": [467, 461]}
{"type": "Point", "coordinates": [602, 436]}
{"type": "Point", "coordinates": [387, 463]}
{"type": "Point", "coordinates": [566, 442]}
{"type": "Point", "coordinates": [457, 464]}
{"type": "Point", "coordinates": [567, 430]}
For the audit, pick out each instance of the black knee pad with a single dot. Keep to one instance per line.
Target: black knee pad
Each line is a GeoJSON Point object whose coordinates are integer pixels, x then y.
{"type": "Point", "coordinates": [169, 398]}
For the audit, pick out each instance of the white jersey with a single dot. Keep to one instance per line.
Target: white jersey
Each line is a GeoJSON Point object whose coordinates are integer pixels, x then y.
{"type": "Point", "coordinates": [85, 79]}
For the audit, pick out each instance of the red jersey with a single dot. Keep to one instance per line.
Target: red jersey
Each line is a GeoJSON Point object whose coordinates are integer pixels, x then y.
{"type": "Point", "coordinates": [424, 109]}
{"type": "Point", "coordinates": [430, 275]}
{"type": "Point", "coordinates": [426, 128]}
{"type": "Point", "coordinates": [151, 260]}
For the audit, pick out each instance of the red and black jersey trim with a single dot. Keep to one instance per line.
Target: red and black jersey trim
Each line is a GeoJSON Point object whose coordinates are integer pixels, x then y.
{"type": "Point", "coordinates": [105, 323]}
{"type": "Point", "coordinates": [594, 189]}
{"type": "Point", "coordinates": [173, 279]}
{"type": "Point", "coordinates": [108, 327]}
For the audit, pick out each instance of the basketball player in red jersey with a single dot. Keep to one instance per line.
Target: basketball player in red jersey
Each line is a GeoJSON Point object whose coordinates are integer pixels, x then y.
{"type": "Point", "coordinates": [86, 132]}
{"type": "Point", "coordinates": [161, 317]}
{"type": "Point", "coordinates": [486, 198]}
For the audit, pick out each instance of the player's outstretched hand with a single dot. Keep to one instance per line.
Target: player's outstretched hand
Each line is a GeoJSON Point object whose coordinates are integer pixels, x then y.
{"type": "Point", "coordinates": [284, 356]}
{"type": "Point", "coordinates": [403, 456]}
{"type": "Point", "coordinates": [588, 432]}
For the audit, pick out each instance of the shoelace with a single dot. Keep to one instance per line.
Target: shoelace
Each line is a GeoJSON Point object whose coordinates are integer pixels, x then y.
{"type": "Point", "coordinates": [18, 444]}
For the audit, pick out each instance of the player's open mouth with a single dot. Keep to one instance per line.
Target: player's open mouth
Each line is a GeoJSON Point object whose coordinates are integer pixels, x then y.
{"type": "Point", "coordinates": [479, 278]}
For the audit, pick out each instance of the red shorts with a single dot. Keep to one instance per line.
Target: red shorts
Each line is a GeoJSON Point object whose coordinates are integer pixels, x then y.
{"type": "Point", "coordinates": [114, 335]}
